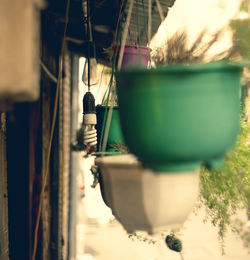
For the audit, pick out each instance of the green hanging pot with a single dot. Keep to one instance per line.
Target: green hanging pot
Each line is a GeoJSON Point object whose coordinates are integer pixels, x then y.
{"type": "Point", "coordinates": [177, 117]}
{"type": "Point", "coordinates": [115, 136]}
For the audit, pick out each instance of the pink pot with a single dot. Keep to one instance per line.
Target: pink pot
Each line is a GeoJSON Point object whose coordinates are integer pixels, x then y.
{"type": "Point", "coordinates": [134, 56]}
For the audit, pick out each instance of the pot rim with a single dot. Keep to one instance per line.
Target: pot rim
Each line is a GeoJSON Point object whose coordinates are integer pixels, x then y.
{"type": "Point", "coordinates": [131, 161]}
{"type": "Point", "coordinates": [118, 160]}
{"type": "Point", "coordinates": [103, 107]}
{"type": "Point", "coordinates": [133, 49]}
{"type": "Point", "coordinates": [193, 68]}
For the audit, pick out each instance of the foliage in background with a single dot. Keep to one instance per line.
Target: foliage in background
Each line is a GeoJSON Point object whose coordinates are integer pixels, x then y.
{"type": "Point", "coordinates": [227, 191]}
{"type": "Point", "coordinates": [142, 237]}
{"type": "Point", "coordinates": [78, 145]}
{"type": "Point", "coordinates": [120, 147]}
{"type": "Point", "coordinates": [172, 242]}
{"type": "Point", "coordinates": [245, 5]}
{"type": "Point", "coordinates": [241, 29]}
{"type": "Point", "coordinates": [243, 231]}
{"type": "Point", "coordinates": [96, 175]}
{"type": "Point", "coordinates": [241, 37]}
{"type": "Point", "coordinates": [176, 49]}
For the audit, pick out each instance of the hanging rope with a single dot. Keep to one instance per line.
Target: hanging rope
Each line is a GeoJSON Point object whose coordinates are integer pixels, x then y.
{"type": "Point", "coordinates": [119, 17]}
{"type": "Point", "coordinates": [160, 10]}
{"type": "Point", "coordinates": [107, 93]}
{"type": "Point", "coordinates": [138, 38]}
{"type": "Point", "coordinates": [145, 19]}
{"type": "Point", "coordinates": [123, 42]}
{"type": "Point", "coordinates": [107, 115]}
{"type": "Point", "coordinates": [125, 34]}
{"type": "Point", "coordinates": [106, 132]}
{"type": "Point", "coordinates": [135, 31]}
{"type": "Point", "coordinates": [149, 18]}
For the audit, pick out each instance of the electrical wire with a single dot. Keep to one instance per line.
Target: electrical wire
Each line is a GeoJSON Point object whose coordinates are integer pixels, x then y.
{"type": "Point", "coordinates": [49, 74]}
{"type": "Point", "coordinates": [88, 33]}
{"type": "Point", "coordinates": [51, 133]}
{"type": "Point", "coordinates": [61, 196]}
{"type": "Point", "coordinates": [100, 83]}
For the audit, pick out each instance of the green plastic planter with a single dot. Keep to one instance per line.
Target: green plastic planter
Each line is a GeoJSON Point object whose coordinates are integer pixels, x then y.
{"type": "Point", "coordinates": [115, 133]}
{"type": "Point", "coordinates": [176, 118]}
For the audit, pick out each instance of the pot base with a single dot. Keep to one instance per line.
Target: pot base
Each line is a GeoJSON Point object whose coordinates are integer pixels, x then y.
{"type": "Point", "coordinates": [215, 164]}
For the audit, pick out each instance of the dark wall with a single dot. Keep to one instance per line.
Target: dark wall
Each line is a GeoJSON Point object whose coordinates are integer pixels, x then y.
{"type": "Point", "coordinates": [18, 181]}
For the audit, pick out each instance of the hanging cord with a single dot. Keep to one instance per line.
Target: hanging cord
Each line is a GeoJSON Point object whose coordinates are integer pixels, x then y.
{"type": "Point", "coordinates": [51, 133]}
{"type": "Point", "coordinates": [114, 62]}
{"type": "Point", "coordinates": [159, 9]}
{"type": "Point", "coordinates": [149, 18]}
{"type": "Point", "coordinates": [105, 126]}
{"type": "Point", "coordinates": [61, 178]}
{"type": "Point", "coordinates": [98, 91]}
{"type": "Point", "coordinates": [124, 37]}
{"type": "Point", "coordinates": [136, 43]}
{"type": "Point", "coordinates": [88, 27]}
{"type": "Point", "coordinates": [49, 74]}
{"type": "Point", "coordinates": [119, 17]}
{"type": "Point", "coordinates": [109, 110]}
{"type": "Point", "coordinates": [108, 117]}
{"type": "Point", "coordinates": [138, 37]}
{"type": "Point", "coordinates": [106, 132]}
{"type": "Point", "coordinates": [88, 33]}
{"type": "Point", "coordinates": [107, 93]}
{"type": "Point", "coordinates": [145, 19]}
{"type": "Point", "coordinates": [125, 34]}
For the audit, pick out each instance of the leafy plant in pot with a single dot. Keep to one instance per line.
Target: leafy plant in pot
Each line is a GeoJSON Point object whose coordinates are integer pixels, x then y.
{"type": "Point", "coordinates": [227, 191]}
{"type": "Point", "coordinates": [180, 116]}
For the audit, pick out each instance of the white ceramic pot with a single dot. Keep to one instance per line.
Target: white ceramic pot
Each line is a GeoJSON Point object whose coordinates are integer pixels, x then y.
{"type": "Point", "coordinates": [144, 200]}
